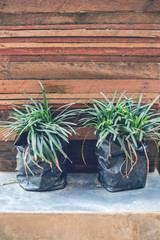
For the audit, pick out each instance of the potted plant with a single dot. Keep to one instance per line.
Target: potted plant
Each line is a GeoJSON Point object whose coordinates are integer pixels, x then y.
{"type": "Point", "coordinates": [122, 127]}
{"type": "Point", "coordinates": [41, 138]}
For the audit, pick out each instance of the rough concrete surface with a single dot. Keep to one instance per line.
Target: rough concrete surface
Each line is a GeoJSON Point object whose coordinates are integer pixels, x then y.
{"type": "Point", "coordinates": [80, 226]}
{"type": "Point", "coordinates": [80, 212]}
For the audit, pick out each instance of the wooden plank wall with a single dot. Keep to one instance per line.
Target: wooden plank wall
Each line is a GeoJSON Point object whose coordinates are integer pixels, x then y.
{"type": "Point", "coordinates": [77, 49]}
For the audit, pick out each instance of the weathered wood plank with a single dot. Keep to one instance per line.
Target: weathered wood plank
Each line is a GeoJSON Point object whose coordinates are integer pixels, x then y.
{"type": "Point", "coordinates": [81, 51]}
{"type": "Point", "coordinates": [7, 150]}
{"type": "Point", "coordinates": [7, 156]}
{"type": "Point", "coordinates": [117, 17]}
{"type": "Point", "coordinates": [7, 165]}
{"type": "Point", "coordinates": [79, 70]}
{"type": "Point", "coordinates": [79, 99]}
{"type": "Point", "coordinates": [78, 58]}
{"type": "Point", "coordinates": [8, 103]}
{"type": "Point", "coordinates": [153, 150]}
{"type": "Point", "coordinates": [80, 39]}
{"type": "Point", "coordinates": [58, 101]}
{"type": "Point", "coordinates": [80, 32]}
{"type": "Point", "coordinates": [85, 26]}
{"type": "Point", "coordinates": [77, 45]}
{"type": "Point", "coordinates": [9, 87]}
{"type": "Point", "coordinates": [10, 6]}
{"type": "Point", "coordinates": [86, 96]}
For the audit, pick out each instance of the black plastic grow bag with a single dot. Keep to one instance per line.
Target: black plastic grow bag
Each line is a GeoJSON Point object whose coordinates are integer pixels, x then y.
{"type": "Point", "coordinates": [44, 178]}
{"type": "Point", "coordinates": [112, 166]}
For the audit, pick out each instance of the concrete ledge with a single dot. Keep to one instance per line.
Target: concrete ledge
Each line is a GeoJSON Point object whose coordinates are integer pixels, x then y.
{"type": "Point", "coordinates": [80, 212]}
{"type": "Point", "coordinates": [80, 195]}
{"type": "Point", "coordinates": [93, 226]}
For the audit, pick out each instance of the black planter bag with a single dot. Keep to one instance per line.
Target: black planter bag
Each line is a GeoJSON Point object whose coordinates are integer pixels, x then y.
{"type": "Point", "coordinates": [111, 164]}
{"type": "Point", "coordinates": [45, 178]}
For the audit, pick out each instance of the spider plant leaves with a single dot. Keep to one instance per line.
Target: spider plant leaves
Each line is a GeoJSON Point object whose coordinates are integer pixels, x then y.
{"type": "Point", "coordinates": [149, 107]}
{"type": "Point", "coordinates": [34, 102]}
{"type": "Point", "coordinates": [122, 117]}
{"type": "Point", "coordinates": [45, 103]}
{"type": "Point", "coordinates": [107, 100]}
{"type": "Point", "coordinates": [44, 128]}
{"type": "Point", "coordinates": [120, 98]}
{"type": "Point", "coordinates": [16, 112]}
{"type": "Point", "coordinates": [136, 121]}
{"type": "Point", "coordinates": [53, 140]}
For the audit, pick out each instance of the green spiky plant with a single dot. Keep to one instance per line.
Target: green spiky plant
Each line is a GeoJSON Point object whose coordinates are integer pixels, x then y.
{"type": "Point", "coordinates": [44, 128]}
{"type": "Point", "coordinates": [127, 121]}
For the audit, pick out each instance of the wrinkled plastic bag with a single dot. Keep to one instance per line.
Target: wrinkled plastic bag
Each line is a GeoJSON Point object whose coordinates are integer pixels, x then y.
{"type": "Point", "coordinates": [112, 166]}
{"type": "Point", "coordinates": [45, 178]}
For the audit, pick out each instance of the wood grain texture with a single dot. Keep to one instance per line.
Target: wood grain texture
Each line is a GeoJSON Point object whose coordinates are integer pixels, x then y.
{"type": "Point", "coordinates": [80, 33]}
{"type": "Point", "coordinates": [89, 86]}
{"type": "Point", "coordinates": [12, 6]}
{"type": "Point", "coordinates": [77, 45]}
{"type": "Point", "coordinates": [85, 26]}
{"type": "Point", "coordinates": [80, 39]}
{"type": "Point", "coordinates": [117, 17]}
{"type": "Point", "coordinates": [7, 165]}
{"type": "Point", "coordinates": [7, 150]}
{"type": "Point", "coordinates": [78, 58]}
{"type": "Point", "coordinates": [58, 100]}
{"type": "Point", "coordinates": [82, 51]}
{"type": "Point", "coordinates": [79, 70]}
{"type": "Point", "coordinates": [7, 104]}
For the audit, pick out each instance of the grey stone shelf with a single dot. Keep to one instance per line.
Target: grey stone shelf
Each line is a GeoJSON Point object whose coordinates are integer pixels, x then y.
{"type": "Point", "coordinates": [80, 195]}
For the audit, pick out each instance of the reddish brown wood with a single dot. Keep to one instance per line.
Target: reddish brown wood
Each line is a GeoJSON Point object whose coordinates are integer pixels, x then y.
{"type": "Point", "coordinates": [90, 46]}
{"type": "Point", "coordinates": [54, 105]}
{"type": "Point", "coordinates": [88, 86]}
{"type": "Point", "coordinates": [80, 58]}
{"type": "Point", "coordinates": [9, 106]}
{"type": "Point", "coordinates": [79, 70]}
{"type": "Point", "coordinates": [10, 6]}
{"type": "Point", "coordinates": [80, 39]}
{"type": "Point", "coordinates": [57, 102]}
{"type": "Point", "coordinates": [85, 26]}
{"type": "Point", "coordinates": [118, 17]}
{"type": "Point", "coordinates": [81, 51]}
{"type": "Point", "coordinates": [80, 33]}
{"type": "Point", "coordinates": [5, 107]}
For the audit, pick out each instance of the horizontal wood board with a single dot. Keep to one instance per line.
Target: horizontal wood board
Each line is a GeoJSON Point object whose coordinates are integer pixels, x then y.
{"type": "Point", "coordinates": [115, 17]}
{"type": "Point", "coordinates": [14, 6]}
